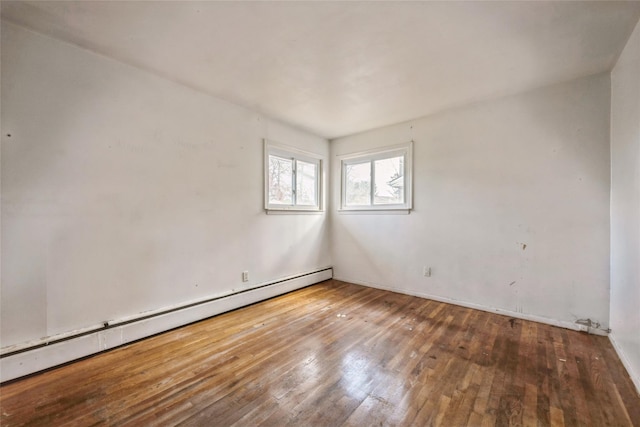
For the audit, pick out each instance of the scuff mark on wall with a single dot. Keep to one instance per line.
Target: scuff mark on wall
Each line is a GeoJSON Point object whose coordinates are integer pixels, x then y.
{"type": "Point", "coordinates": [588, 323]}
{"type": "Point", "coordinates": [591, 325]}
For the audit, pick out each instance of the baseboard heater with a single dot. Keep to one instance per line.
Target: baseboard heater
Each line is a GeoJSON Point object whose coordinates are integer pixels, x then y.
{"type": "Point", "coordinates": [21, 360]}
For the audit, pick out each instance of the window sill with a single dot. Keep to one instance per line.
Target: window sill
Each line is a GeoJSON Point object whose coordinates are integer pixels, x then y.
{"type": "Point", "coordinates": [292, 212]}
{"type": "Point", "coordinates": [375, 211]}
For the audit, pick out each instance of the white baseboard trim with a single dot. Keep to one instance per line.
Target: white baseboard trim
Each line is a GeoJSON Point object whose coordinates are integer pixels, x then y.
{"type": "Point", "coordinates": [514, 314]}
{"type": "Point", "coordinates": [63, 348]}
{"type": "Point", "coordinates": [635, 376]}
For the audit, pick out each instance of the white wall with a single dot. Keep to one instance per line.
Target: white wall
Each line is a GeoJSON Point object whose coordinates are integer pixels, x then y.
{"type": "Point", "coordinates": [531, 169]}
{"type": "Point", "coordinates": [123, 192]}
{"type": "Point", "coordinates": [625, 206]}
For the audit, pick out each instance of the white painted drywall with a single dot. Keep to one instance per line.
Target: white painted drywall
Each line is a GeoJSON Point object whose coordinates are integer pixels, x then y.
{"type": "Point", "coordinates": [625, 206]}
{"type": "Point", "coordinates": [123, 192]}
{"type": "Point", "coordinates": [511, 206]}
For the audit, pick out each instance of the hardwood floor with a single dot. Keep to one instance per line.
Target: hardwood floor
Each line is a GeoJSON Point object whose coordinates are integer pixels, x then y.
{"type": "Point", "coordinates": [339, 354]}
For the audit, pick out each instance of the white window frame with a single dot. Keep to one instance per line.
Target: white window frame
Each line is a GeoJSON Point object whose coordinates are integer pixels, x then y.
{"type": "Point", "coordinates": [371, 156]}
{"type": "Point", "coordinates": [279, 150]}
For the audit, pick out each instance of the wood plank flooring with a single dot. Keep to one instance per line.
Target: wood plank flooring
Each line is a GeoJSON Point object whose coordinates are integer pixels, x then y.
{"type": "Point", "coordinates": [337, 354]}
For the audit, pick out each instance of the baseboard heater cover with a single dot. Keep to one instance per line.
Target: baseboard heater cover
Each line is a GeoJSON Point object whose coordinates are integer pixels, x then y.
{"type": "Point", "coordinates": [114, 334]}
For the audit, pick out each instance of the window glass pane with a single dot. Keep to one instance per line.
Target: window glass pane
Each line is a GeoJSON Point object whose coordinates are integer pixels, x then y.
{"type": "Point", "coordinates": [389, 181]}
{"type": "Point", "coordinates": [280, 180]}
{"type": "Point", "coordinates": [306, 183]}
{"type": "Point", "coordinates": [358, 184]}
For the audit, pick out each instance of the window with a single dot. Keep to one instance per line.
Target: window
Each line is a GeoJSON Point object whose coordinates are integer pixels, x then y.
{"type": "Point", "coordinates": [292, 179]}
{"type": "Point", "coordinates": [377, 180]}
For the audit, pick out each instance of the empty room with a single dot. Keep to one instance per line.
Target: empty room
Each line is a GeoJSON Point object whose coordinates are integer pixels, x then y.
{"type": "Point", "coordinates": [326, 213]}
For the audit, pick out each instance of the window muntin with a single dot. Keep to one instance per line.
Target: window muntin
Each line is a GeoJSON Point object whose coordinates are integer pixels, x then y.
{"type": "Point", "coordinates": [377, 180]}
{"type": "Point", "coordinates": [292, 179]}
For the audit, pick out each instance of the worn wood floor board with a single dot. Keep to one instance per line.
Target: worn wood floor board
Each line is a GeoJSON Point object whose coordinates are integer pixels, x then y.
{"type": "Point", "coordinates": [339, 354]}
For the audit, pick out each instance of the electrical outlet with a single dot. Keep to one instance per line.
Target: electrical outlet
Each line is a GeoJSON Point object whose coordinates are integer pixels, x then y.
{"type": "Point", "coordinates": [245, 276]}
{"type": "Point", "coordinates": [426, 271]}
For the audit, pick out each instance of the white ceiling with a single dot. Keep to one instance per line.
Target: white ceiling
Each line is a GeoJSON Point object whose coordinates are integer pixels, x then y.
{"type": "Point", "coordinates": [337, 68]}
